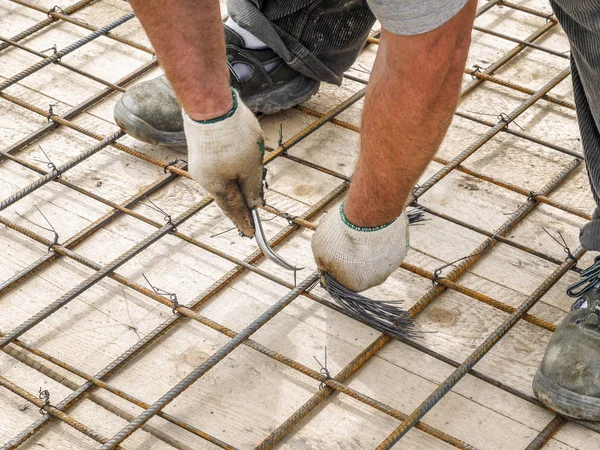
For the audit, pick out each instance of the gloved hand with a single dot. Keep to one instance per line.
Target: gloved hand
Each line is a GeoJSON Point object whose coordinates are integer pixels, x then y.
{"type": "Point", "coordinates": [225, 157]}
{"type": "Point", "coordinates": [357, 257]}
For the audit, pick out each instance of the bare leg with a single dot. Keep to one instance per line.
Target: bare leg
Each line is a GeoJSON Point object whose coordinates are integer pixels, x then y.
{"type": "Point", "coordinates": [189, 42]}
{"type": "Point", "coordinates": [411, 98]}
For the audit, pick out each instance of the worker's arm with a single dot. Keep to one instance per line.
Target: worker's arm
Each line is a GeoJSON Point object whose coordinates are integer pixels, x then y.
{"type": "Point", "coordinates": [224, 138]}
{"type": "Point", "coordinates": [411, 97]}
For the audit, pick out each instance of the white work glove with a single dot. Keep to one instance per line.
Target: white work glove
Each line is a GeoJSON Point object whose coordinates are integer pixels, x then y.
{"type": "Point", "coordinates": [225, 157]}
{"type": "Point", "coordinates": [357, 257]}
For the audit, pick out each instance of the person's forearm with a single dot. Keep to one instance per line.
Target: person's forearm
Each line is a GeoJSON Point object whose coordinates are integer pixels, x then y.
{"type": "Point", "coordinates": [412, 95]}
{"type": "Point", "coordinates": [189, 42]}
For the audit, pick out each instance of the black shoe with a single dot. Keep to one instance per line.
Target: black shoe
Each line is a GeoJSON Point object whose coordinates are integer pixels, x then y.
{"type": "Point", "coordinates": [568, 380]}
{"type": "Point", "coordinates": [149, 110]}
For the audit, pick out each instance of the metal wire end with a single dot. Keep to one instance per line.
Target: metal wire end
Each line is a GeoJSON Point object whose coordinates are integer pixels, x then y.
{"type": "Point", "coordinates": [416, 215]}
{"type": "Point", "coordinates": [437, 272]}
{"type": "Point", "coordinates": [280, 141]}
{"type": "Point", "coordinates": [476, 69]}
{"type": "Point", "coordinates": [45, 396]}
{"type": "Point", "coordinates": [54, 52]}
{"type": "Point", "coordinates": [166, 216]}
{"type": "Point", "coordinates": [385, 316]}
{"type": "Point", "coordinates": [51, 113]}
{"type": "Point", "coordinates": [503, 117]}
{"type": "Point", "coordinates": [51, 229]}
{"type": "Point", "coordinates": [169, 295]}
{"type": "Point", "coordinates": [362, 69]}
{"type": "Point", "coordinates": [285, 215]}
{"type": "Point", "coordinates": [563, 244]}
{"type": "Point", "coordinates": [56, 8]}
{"type": "Point", "coordinates": [48, 162]}
{"type": "Point", "coordinates": [324, 371]}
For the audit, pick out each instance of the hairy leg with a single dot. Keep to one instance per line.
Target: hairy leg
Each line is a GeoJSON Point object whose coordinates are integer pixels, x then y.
{"type": "Point", "coordinates": [411, 98]}
{"type": "Point", "coordinates": [189, 42]}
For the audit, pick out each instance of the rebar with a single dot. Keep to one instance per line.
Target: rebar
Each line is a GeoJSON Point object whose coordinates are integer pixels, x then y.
{"type": "Point", "coordinates": [479, 353]}
{"type": "Point", "coordinates": [58, 171]}
{"type": "Point", "coordinates": [329, 385]}
{"type": "Point", "coordinates": [50, 20]}
{"type": "Point", "coordinates": [65, 51]}
{"type": "Point", "coordinates": [547, 433]}
{"type": "Point", "coordinates": [168, 324]}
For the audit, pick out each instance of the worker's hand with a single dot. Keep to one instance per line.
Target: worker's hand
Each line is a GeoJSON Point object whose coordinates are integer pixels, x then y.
{"type": "Point", "coordinates": [359, 258]}
{"type": "Point", "coordinates": [225, 156]}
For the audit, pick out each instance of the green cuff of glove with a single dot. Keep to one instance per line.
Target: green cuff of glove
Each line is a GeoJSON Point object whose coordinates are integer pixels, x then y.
{"type": "Point", "coordinates": [224, 116]}
{"type": "Point", "coordinates": [357, 228]}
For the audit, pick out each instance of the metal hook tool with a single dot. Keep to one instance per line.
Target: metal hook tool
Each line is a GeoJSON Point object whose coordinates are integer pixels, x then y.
{"type": "Point", "coordinates": [261, 240]}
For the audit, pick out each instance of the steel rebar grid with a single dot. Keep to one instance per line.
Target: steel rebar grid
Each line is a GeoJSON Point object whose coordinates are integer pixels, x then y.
{"type": "Point", "coordinates": [316, 125]}
{"type": "Point", "coordinates": [58, 171]}
{"type": "Point", "coordinates": [219, 328]}
{"type": "Point", "coordinates": [50, 20]}
{"type": "Point", "coordinates": [210, 362]}
{"type": "Point", "coordinates": [46, 242]}
{"type": "Point", "coordinates": [490, 134]}
{"type": "Point", "coordinates": [74, 111]}
{"type": "Point", "coordinates": [49, 409]}
{"type": "Point", "coordinates": [65, 51]}
{"type": "Point", "coordinates": [58, 249]}
{"type": "Point", "coordinates": [73, 386]}
{"type": "Point", "coordinates": [83, 234]}
{"type": "Point", "coordinates": [237, 261]}
{"type": "Point", "coordinates": [102, 273]}
{"type": "Point", "coordinates": [56, 15]}
{"type": "Point", "coordinates": [282, 149]}
{"type": "Point", "coordinates": [23, 358]}
{"type": "Point", "coordinates": [170, 323]}
{"type": "Point", "coordinates": [490, 303]}
{"type": "Point", "coordinates": [419, 306]}
{"type": "Point", "coordinates": [62, 64]}
{"type": "Point", "coordinates": [479, 353]}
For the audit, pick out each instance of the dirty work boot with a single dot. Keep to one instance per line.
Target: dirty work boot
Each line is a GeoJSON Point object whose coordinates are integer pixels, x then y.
{"type": "Point", "coordinates": [568, 380]}
{"type": "Point", "coordinates": [149, 111]}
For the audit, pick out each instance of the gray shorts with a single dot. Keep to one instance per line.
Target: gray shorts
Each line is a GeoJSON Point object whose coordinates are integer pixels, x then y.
{"type": "Point", "coordinates": [409, 17]}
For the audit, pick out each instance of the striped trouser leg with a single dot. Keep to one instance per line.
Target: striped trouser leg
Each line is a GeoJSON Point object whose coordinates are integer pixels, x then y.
{"type": "Point", "coordinates": [581, 21]}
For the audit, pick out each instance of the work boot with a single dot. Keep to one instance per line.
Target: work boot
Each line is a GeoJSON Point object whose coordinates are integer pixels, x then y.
{"type": "Point", "coordinates": [149, 110]}
{"type": "Point", "coordinates": [568, 380]}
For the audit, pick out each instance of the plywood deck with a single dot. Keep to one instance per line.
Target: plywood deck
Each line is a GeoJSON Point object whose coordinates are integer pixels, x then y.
{"type": "Point", "coordinates": [248, 395]}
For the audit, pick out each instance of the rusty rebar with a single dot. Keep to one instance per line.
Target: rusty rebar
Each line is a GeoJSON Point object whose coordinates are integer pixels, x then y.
{"type": "Point", "coordinates": [63, 52]}
{"type": "Point", "coordinates": [44, 23]}
{"type": "Point", "coordinates": [53, 411]}
{"type": "Point", "coordinates": [283, 149]}
{"type": "Point", "coordinates": [169, 323]}
{"type": "Point", "coordinates": [55, 14]}
{"type": "Point", "coordinates": [546, 434]}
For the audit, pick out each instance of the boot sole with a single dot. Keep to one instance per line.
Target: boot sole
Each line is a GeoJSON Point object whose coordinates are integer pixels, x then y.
{"type": "Point", "coordinates": [564, 401]}
{"type": "Point", "coordinates": [287, 96]}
